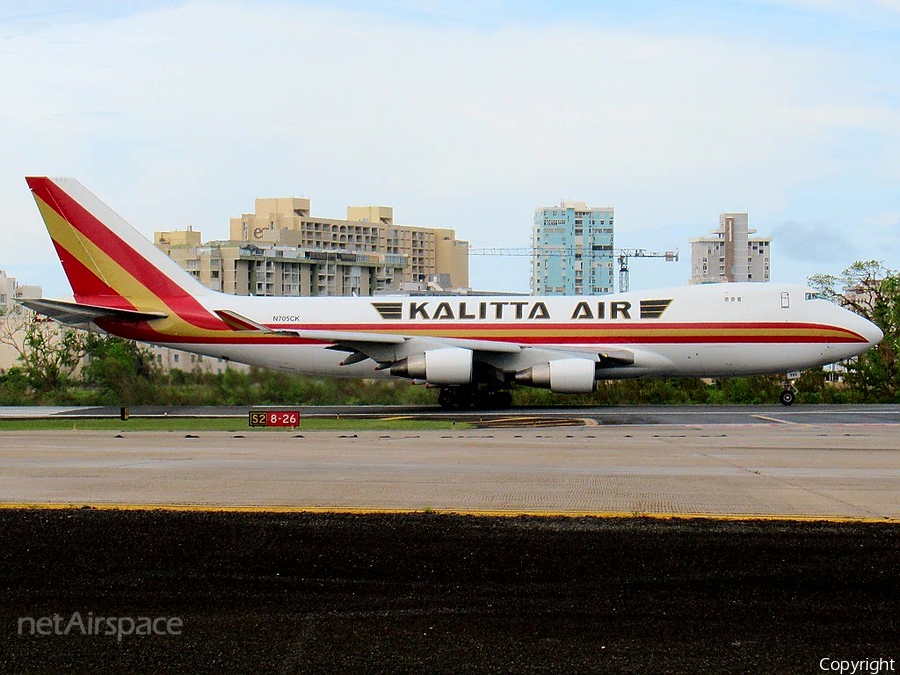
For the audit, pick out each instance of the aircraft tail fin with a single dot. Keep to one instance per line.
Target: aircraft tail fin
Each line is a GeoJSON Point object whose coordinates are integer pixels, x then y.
{"type": "Point", "coordinates": [108, 262]}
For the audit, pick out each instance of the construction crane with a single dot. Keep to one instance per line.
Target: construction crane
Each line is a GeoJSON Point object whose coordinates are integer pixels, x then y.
{"type": "Point", "coordinates": [622, 255]}
{"type": "Point", "coordinates": [625, 253]}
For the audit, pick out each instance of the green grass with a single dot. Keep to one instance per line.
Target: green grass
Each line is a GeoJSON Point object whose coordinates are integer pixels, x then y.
{"type": "Point", "coordinates": [228, 424]}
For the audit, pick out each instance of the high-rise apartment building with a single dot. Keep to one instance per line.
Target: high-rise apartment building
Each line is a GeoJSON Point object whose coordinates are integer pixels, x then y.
{"type": "Point", "coordinates": [282, 250]}
{"type": "Point", "coordinates": [730, 253]}
{"type": "Point", "coordinates": [573, 250]}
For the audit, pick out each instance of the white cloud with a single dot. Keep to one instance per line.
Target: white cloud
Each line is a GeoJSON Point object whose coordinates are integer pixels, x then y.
{"type": "Point", "coordinates": [851, 8]}
{"type": "Point", "coordinates": [812, 242]}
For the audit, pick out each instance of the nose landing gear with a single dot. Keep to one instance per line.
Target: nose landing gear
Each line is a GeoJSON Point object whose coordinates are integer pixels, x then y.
{"type": "Point", "coordinates": [789, 395]}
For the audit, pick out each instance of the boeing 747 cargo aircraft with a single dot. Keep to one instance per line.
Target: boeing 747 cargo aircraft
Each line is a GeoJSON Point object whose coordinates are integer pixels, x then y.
{"type": "Point", "coordinates": [474, 348]}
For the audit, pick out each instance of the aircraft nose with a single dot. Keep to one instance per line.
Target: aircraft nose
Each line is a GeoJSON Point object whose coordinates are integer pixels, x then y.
{"type": "Point", "coordinates": [872, 333]}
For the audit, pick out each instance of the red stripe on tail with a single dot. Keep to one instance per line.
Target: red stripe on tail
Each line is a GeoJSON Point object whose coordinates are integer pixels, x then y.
{"type": "Point", "coordinates": [87, 286]}
{"type": "Point", "coordinates": [180, 301]}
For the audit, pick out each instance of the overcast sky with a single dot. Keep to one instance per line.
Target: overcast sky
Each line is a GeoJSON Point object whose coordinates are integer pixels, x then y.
{"type": "Point", "coordinates": [467, 115]}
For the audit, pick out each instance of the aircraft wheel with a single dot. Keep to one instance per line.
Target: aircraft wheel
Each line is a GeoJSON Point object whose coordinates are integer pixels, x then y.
{"type": "Point", "coordinates": [491, 399]}
{"type": "Point", "coordinates": [447, 398]}
{"type": "Point", "coordinates": [452, 398]}
{"type": "Point", "coordinates": [504, 399]}
{"type": "Point", "coordinates": [787, 397]}
{"type": "Point", "coordinates": [466, 397]}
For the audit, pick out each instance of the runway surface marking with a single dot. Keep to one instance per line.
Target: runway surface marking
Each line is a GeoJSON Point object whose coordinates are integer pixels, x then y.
{"type": "Point", "coordinates": [207, 508]}
{"type": "Point", "coordinates": [775, 419]}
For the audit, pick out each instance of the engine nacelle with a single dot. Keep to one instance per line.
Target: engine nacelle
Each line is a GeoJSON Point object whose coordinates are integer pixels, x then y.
{"type": "Point", "coordinates": [562, 376]}
{"type": "Point", "coordinates": [452, 365]}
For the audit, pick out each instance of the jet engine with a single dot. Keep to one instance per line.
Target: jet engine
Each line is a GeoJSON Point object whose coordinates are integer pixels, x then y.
{"type": "Point", "coordinates": [562, 376]}
{"type": "Point", "coordinates": [450, 365]}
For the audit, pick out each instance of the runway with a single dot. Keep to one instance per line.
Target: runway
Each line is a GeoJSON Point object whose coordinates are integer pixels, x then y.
{"type": "Point", "coordinates": [765, 469]}
{"type": "Point", "coordinates": [596, 415]}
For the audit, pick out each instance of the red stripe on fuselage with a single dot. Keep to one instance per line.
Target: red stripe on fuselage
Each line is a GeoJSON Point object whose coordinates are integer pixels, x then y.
{"type": "Point", "coordinates": [143, 331]}
{"type": "Point", "coordinates": [599, 331]}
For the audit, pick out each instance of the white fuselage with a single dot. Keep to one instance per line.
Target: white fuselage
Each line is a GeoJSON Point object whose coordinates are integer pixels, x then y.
{"type": "Point", "coordinates": [702, 331]}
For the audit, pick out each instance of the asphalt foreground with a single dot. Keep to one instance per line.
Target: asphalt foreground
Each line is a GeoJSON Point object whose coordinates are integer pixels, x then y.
{"type": "Point", "coordinates": [381, 593]}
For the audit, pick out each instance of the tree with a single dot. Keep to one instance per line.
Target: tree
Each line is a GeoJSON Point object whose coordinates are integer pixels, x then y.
{"type": "Point", "coordinates": [49, 353]}
{"type": "Point", "coordinates": [873, 291]}
{"type": "Point", "coordinates": [123, 371]}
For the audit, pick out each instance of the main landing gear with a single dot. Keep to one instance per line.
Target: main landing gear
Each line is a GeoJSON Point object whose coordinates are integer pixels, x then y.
{"type": "Point", "coordinates": [470, 396]}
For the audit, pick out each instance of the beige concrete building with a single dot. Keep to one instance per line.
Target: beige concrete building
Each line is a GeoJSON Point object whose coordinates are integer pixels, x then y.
{"type": "Point", "coordinates": [276, 266]}
{"type": "Point", "coordinates": [12, 317]}
{"type": "Point", "coordinates": [432, 255]}
{"type": "Point", "coordinates": [730, 253]}
{"type": "Point", "coordinates": [11, 290]}
{"type": "Point", "coordinates": [281, 249]}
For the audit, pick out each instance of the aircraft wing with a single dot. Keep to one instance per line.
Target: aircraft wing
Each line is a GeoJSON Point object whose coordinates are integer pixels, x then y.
{"type": "Point", "coordinates": [78, 314]}
{"type": "Point", "coordinates": [507, 356]}
{"type": "Point", "coordinates": [606, 357]}
{"type": "Point", "coordinates": [385, 348]}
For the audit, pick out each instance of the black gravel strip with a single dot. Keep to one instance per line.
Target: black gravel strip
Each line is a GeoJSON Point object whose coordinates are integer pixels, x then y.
{"type": "Point", "coordinates": [328, 593]}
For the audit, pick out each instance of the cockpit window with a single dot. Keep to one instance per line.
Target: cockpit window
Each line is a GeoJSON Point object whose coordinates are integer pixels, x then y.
{"type": "Point", "coordinates": [816, 296]}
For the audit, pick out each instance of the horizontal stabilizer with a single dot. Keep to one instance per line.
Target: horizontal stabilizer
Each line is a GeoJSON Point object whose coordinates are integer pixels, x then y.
{"type": "Point", "coordinates": [236, 321]}
{"type": "Point", "coordinates": [74, 313]}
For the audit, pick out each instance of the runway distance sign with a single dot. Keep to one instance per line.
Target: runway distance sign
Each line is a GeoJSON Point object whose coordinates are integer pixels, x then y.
{"type": "Point", "coordinates": [274, 418]}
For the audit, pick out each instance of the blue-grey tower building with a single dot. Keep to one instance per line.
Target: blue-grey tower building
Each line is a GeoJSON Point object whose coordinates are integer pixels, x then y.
{"type": "Point", "coordinates": [573, 250]}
